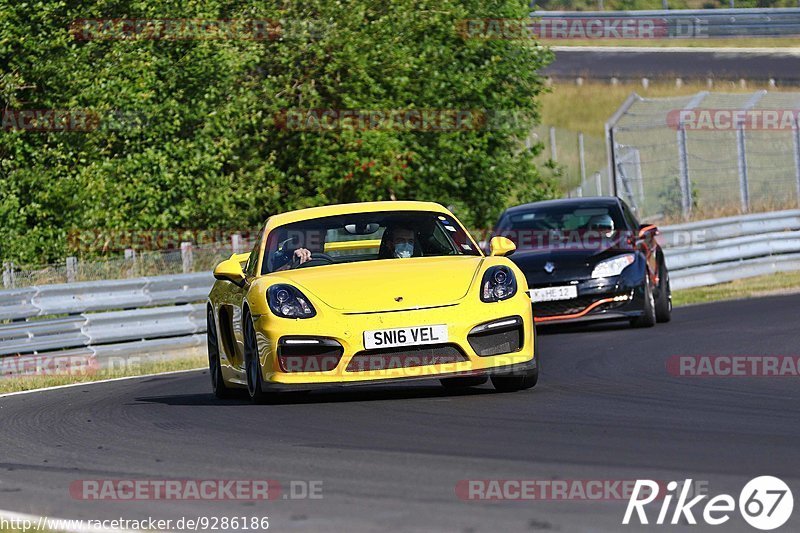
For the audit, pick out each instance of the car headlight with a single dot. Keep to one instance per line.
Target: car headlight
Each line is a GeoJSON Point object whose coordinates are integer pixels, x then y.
{"type": "Point", "coordinates": [288, 302]}
{"type": "Point", "coordinates": [498, 284]}
{"type": "Point", "coordinates": [613, 266]}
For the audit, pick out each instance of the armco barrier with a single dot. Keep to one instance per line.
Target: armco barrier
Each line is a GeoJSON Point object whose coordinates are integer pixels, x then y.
{"type": "Point", "coordinates": [149, 318]}
{"type": "Point", "coordinates": [725, 249]}
{"type": "Point", "coordinates": [163, 317]}
{"type": "Point", "coordinates": [699, 23]}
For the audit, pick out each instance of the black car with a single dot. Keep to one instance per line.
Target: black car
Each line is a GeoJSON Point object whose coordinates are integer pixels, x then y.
{"type": "Point", "coordinates": [588, 259]}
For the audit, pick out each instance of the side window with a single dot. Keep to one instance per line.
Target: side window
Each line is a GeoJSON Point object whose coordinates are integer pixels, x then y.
{"type": "Point", "coordinates": [252, 261]}
{"type": "Point", "coordinates": [630, 219]}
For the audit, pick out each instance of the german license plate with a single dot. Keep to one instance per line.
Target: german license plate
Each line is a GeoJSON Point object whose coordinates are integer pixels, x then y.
{"type": "Point", "coordinates": [550, 294]}
{"type": "Point", "coordinates": [410, 336]}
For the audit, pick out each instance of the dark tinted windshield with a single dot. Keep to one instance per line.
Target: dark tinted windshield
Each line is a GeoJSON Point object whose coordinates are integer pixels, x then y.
{"type": "Point", "coordinates": [558, 225]}
{"type": "Point", "coordinates": [366, 237]}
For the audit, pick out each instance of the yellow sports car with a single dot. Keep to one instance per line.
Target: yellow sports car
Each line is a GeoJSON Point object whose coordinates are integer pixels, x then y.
{"type": "Point", "coordinates": [365, 293]}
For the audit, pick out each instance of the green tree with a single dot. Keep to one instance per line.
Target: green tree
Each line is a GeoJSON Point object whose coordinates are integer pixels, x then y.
{"type": "Point", "coordinates": [189, 137]}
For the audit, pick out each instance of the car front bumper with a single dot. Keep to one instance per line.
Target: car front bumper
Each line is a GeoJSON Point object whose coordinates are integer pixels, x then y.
{"type": "Point", "coordinates": [614, 298]}
{"type": "Point", "coordinates": [459, 356]}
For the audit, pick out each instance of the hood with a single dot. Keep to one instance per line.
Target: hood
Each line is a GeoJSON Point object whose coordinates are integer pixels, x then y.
{"type": "Point", "coordinates": [372, 286]}
{"type": "Point", "coordinates": [570, 263]}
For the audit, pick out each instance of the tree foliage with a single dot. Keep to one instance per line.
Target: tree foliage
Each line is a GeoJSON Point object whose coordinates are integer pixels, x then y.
{"type": "Point", "coordinates": [189, 138]}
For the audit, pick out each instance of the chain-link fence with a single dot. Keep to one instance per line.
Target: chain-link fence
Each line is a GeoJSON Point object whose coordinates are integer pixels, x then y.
{"type": "Point", "coordinates": [130, 263]}
{"type": "Point", "coordinates": [707, 154]}
{"type": "Point", "coordinates": [580, 160]}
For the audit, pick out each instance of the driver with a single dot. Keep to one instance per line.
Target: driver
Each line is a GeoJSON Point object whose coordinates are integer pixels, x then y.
{"type": "Point", "coordinates": [283, 257]}
{"type": "Point", "coordinates": [397, 242]}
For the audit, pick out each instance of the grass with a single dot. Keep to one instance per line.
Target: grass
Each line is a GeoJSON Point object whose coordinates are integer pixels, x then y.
{"type": "Point", "coordinates": [587, 107]}
{"type": "Point", "coordinates": [15, 384]}
{"type": "Point", "coordinates": [772, 284]}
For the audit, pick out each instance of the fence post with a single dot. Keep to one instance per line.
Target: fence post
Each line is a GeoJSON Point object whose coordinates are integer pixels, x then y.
{"type": "Point", "coordinates": [186, 256]}
{"type": "Point", "coordinates": [796, 143]}
{"type": "Point", "coordinates": [553, 148]}
{"type": "Point", "coordinates": [8, 275]}
{"type": "Point", "coordinates": [741, 150]}
{"type": "Point", "coordinates": [741, 147]}
{"type": "Point", "coordinates": [130, 258]}
{"type": "Point", "coordinates": [683, 157]}
{"type": "Point", "coordinates": [72, 268]}
{"type": "Point", "coordinates": [683, 166]}
{"type": "Point", "coordinates": [236, 243]}
{"type": "Point", "coordinates": [611, 147]}
{"type": "Point", "coordinates": [582, 157]}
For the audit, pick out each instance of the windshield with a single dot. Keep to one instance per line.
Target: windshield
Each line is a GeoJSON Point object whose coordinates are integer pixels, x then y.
{"type": "Point", "coordinates": [557, 225]}
{"type": "Point", "coordinates": [364, 237]}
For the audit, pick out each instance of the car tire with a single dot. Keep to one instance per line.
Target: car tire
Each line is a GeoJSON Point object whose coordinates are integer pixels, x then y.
{"type": "Point", "coordinates": [463, 383]}
{"type": "Point", "coordinates": [214, 365]}
{"type": "Point", "coordinates": [648, 316]}
{"type": "Point", "coordinates": [512, 383]}
{"type": "Point", "coordinates": [664, 300]}
{"type": "Point", "coordinates": [252, 365]}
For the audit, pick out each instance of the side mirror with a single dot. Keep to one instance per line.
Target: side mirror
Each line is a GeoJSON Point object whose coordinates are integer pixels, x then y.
{"type": "Point", "coordinates": [501, 246]}
{"type": "Point", "coordinates": [644, 229]}
{"type": "Point", "coordinates": [230, 270]}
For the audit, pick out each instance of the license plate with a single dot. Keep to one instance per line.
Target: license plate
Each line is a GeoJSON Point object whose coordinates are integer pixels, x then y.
{"type": "Point", "coordinates": [411, 336]}
{"type": "Point", "coordinates": [551, 294]}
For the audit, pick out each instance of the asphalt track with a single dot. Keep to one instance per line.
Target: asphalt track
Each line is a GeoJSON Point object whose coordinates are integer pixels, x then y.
{"type": "Point", "coordinates": [390, 458]}
{"type": "Point", "coordinates": [593, 63]}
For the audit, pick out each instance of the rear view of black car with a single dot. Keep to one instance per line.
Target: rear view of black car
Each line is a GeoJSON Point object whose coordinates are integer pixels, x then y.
{"type": "Point", "coordinates": [588, 259]}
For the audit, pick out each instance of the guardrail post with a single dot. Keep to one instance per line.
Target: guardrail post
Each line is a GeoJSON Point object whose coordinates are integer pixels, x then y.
{"type": "Point", "coordinates": [598, 183]}
{"type": "Point", "coordinates": [553, 148]}
{"type": "Point", "coordinates": [9, 279]}
{"type": "Point", "coordinates": [236, 243]}
{"type": "Point", "coordinates": [186, 257]}
{"type": "Point", "coordinates": [72, 269]}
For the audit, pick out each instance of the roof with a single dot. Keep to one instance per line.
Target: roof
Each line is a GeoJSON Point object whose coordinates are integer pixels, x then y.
{"type": "Point", "coordinates": [587, 201]}
{"type": "Point", "coordinates": [361, 207]}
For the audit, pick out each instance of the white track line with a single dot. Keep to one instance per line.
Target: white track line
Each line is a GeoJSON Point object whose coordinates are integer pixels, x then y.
{"type": "Point", "coordinates": [82, 383]}
{"type": "Point", "coordinates": [39, 523]}
{"type": "Point", "coordinates": [792, 52]}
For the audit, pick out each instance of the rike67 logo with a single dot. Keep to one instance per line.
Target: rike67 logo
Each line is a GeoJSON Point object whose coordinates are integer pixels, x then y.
{"type": "Point", "coordinates": [765, 503]}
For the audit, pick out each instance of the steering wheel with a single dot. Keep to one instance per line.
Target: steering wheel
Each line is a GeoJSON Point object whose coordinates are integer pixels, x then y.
{"type": "Point", "coordinates": [316, 257]}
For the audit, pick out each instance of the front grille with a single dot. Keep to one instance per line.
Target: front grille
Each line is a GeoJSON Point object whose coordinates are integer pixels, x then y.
{"type": "Point", "coordinates": [405, 357]}
{"type": "Point", "coordinates": [487, 341]}
{"type": "Point", "coordinates": [573, 306]}
{"type": "Point", "coordinates": [321, 357]}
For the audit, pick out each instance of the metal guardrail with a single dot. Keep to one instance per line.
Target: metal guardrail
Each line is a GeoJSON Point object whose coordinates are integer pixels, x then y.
{"type": "Point", "coordinates": [164, 317]}
{"type": "Point", "coordinates": [91, 329]}
{"type": "Point", "coordinates": [139, 319]}
{"type": "Point", "coordinates": [88, 296]}
{"type": "Point", "coordinates": [694, 23]}
{"type": "Point", "coordinates": [725, 249]}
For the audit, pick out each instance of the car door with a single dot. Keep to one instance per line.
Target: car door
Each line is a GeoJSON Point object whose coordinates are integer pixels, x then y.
{"type": "Point", "coordinates": [229, 317]}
